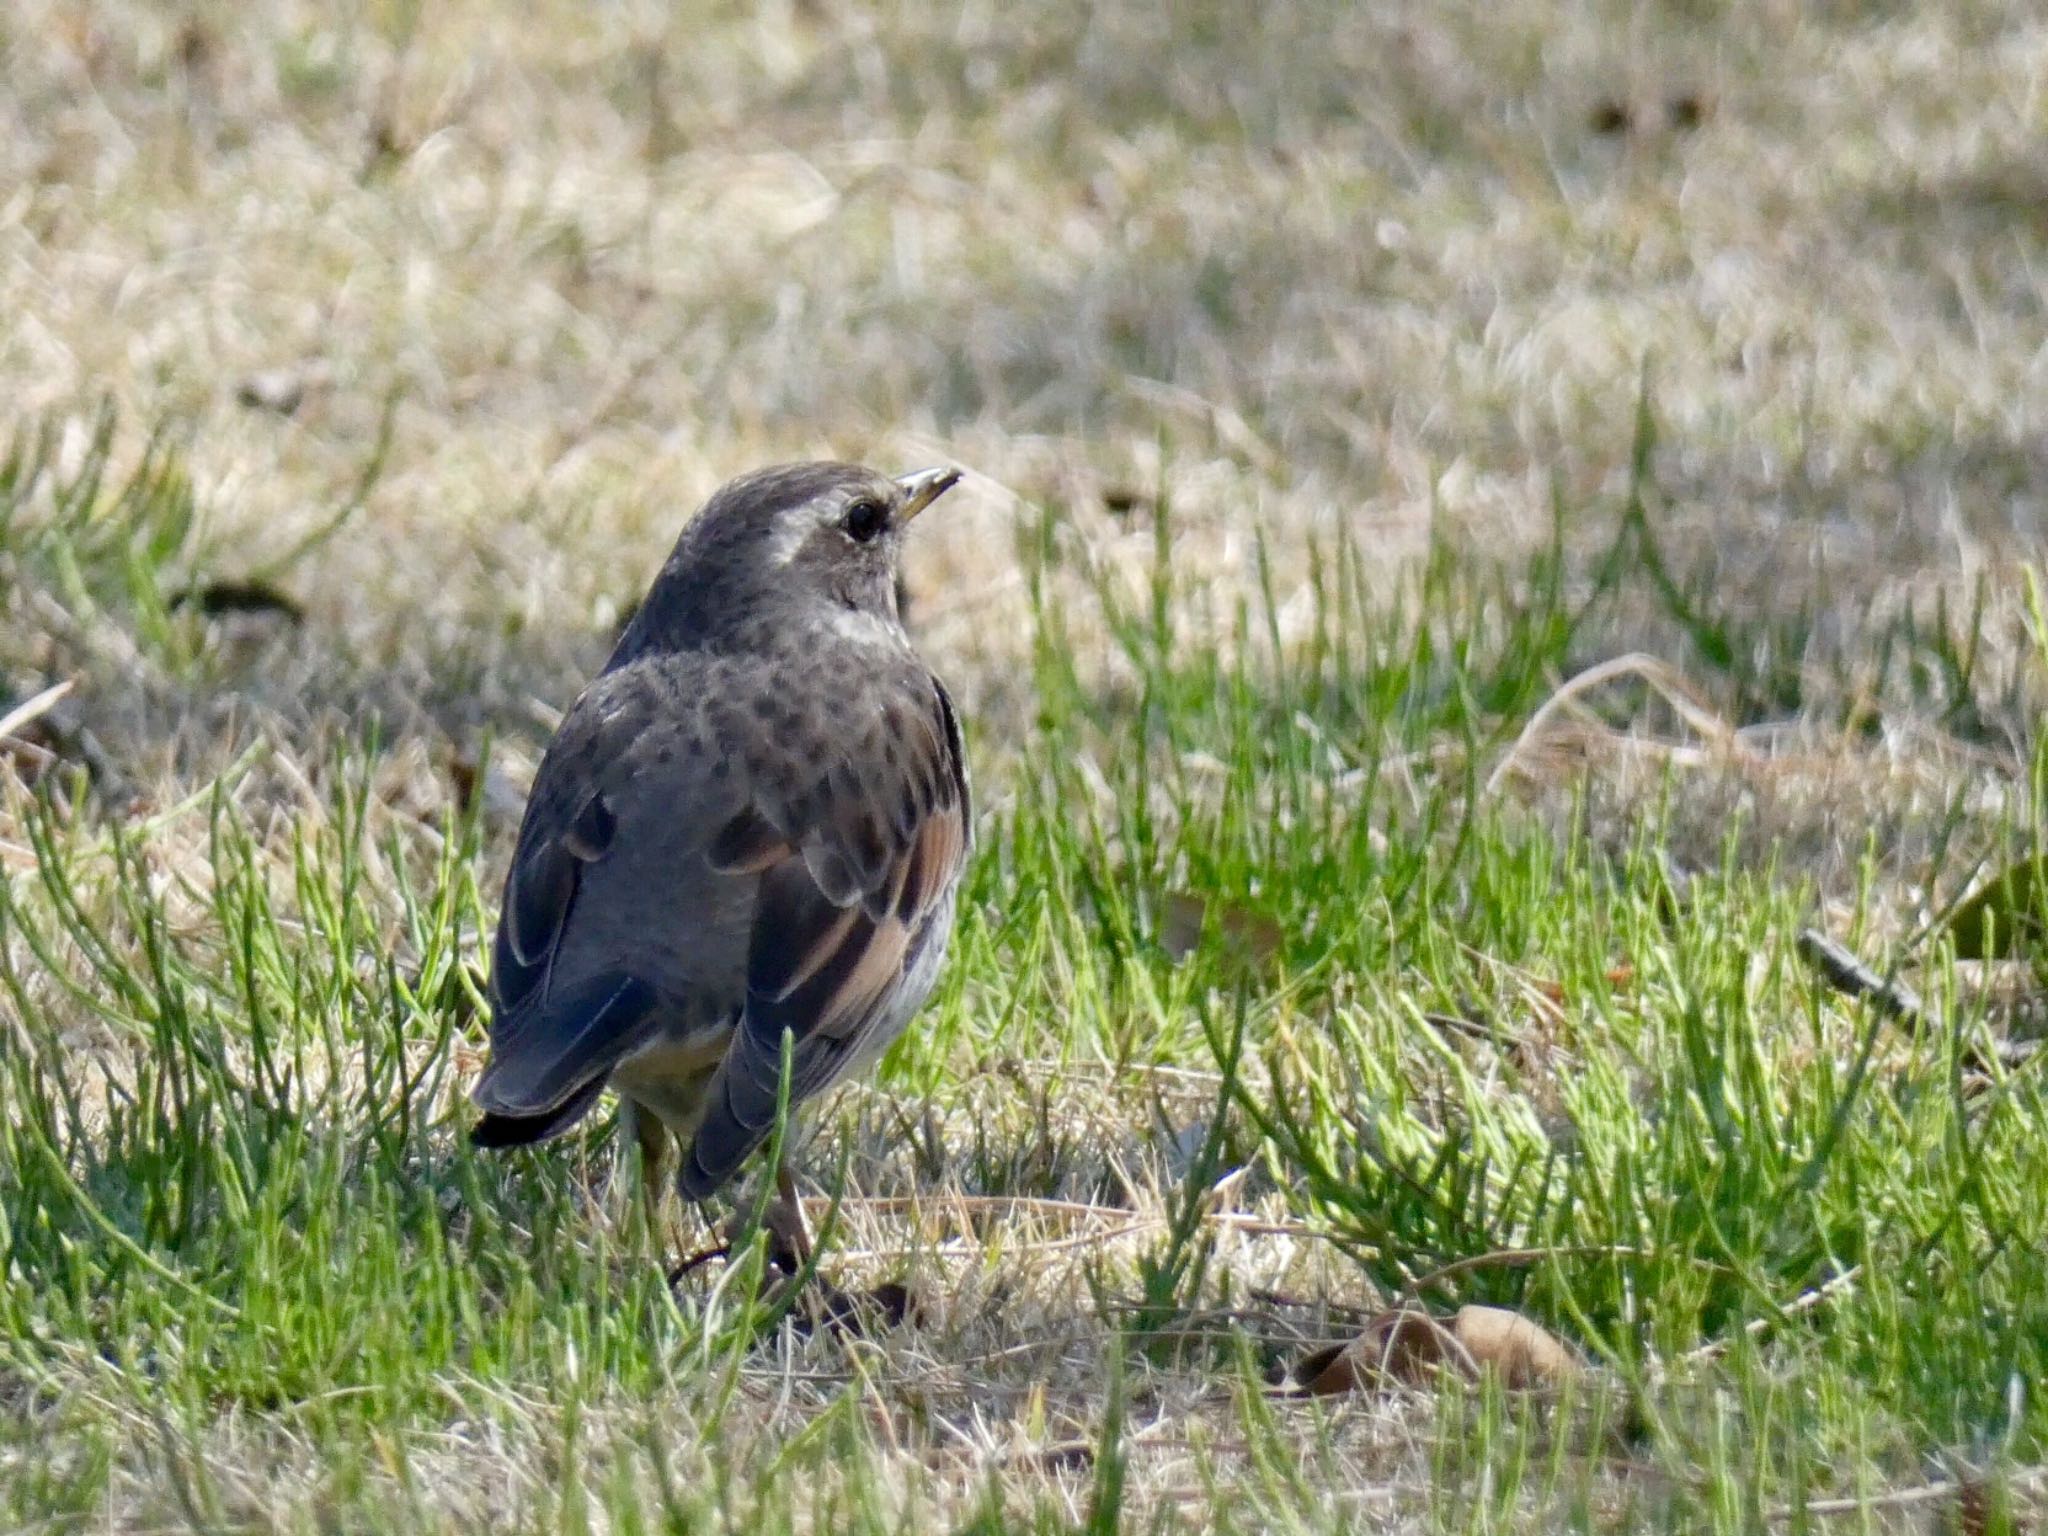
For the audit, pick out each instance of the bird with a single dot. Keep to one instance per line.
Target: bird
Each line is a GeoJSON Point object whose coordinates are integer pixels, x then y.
{"type": "Point", "coordinates": [749, 829]}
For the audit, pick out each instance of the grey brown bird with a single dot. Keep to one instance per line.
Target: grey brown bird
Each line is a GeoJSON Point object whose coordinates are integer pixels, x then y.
{"type": "Point", "coordinates": [751, 824]}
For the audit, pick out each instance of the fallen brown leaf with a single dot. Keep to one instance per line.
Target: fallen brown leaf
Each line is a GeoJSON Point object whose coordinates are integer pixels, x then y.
{"type": "Point", "coordinates": [1401, 1346]}
{"type": "Point", "coordinates": [1405, 1346]}
{"type": "Point", "coordinates": [1522, 1353]}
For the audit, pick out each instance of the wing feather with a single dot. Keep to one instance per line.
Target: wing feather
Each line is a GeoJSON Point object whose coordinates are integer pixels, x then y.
{"type": "Point", "coordinates": [838, 925]}
{"type": "Point", "coordinates": [556, 1035]}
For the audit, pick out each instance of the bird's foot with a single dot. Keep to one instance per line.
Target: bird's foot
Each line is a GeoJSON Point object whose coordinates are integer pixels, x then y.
{"type": "Point", "coordinates": [789, 1244]}
{"type": "Point", "coordinates": [814, 1302]}
{"type": "Point", "coordinates": [697, 1261]}
{"type": "Point", "coordinates": [817, 1303]}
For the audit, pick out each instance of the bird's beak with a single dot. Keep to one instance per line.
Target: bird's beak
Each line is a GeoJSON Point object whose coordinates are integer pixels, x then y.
{"type": "Point", "coordinates": [924, 487]}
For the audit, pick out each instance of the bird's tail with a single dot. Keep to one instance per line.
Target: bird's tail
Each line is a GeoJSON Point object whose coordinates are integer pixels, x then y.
{"type": "Point", "coordinates": [550, 1058]}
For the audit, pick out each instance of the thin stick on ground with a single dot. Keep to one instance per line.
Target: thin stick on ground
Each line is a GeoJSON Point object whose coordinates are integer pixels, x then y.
{"type": "Point", "coordinates": [31, 709]}
{"type": "Point", "coordinates": [1895, 1000]}
{"type": "Point", "coordinates": [1851, 977]}
{"type": "Point", "coordinates": [2024, 1484]}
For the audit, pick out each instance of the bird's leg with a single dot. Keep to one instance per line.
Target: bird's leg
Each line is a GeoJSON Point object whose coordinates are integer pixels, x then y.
{"type": "Point", "coordinates": [652, 1140]}
{"type": "Point", "coordinates": [790, 1249]}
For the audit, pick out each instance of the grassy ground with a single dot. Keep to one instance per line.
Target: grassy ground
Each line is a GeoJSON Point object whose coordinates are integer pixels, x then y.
{"type": "Point", "coordinates": [1484, 524]}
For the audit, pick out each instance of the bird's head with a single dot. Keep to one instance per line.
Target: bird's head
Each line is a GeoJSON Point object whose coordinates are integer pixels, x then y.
{"type": "Point", "coordinates": [798, 541]}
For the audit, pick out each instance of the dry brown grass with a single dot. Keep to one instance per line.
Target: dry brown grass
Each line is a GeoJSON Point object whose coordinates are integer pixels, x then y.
{"type": "Point", "coordinates": [1378, 266]}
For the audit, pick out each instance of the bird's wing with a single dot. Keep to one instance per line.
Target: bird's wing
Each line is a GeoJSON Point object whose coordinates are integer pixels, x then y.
{"type": "Point", "coordinates": [554, 1037]}
{"type": "Point", "coordinates": [858, 835]}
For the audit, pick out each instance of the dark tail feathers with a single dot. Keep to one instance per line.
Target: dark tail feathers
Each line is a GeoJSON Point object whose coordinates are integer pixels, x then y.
{"type": "Point", "coordinates": [524, 1130]}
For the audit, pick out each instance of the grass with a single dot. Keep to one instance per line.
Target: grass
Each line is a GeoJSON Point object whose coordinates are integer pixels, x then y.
{"type": "Point", "coordinates": [1483, 525]}
{"type": "Point", "coordinates": [1452, 1046]}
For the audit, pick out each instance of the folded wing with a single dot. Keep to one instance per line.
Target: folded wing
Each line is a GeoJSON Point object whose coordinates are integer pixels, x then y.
{"type": "Point", "coordinates": [554, 1039]}
{"type": "Point", "coordinates": [857, 874]}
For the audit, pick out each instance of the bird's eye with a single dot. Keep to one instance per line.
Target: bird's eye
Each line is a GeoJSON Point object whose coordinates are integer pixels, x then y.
{"type": "Point", "coordinates": [865, 519]}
